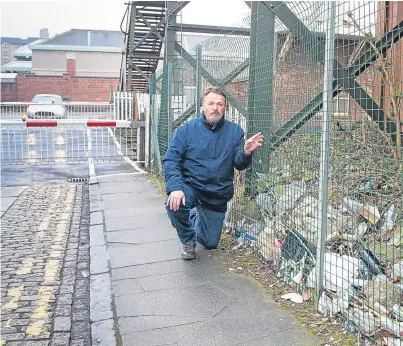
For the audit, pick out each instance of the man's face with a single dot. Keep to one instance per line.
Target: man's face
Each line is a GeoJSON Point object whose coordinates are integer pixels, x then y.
{"type": "Point", "coordinates": [214, 107]}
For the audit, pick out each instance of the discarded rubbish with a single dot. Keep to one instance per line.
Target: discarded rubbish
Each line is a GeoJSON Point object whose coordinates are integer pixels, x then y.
{"type": "Point", "coordinates": [294, 297]}
{"type": "Point", "coordinates": [391, 342]}
{"type": "Point", "coordinates": [295, 247]}
{"type": "Point", "coordinates": [388, 223]}
{"type": "Point", "coordinates": [308, 294]}
{"type": "Point", "coordinates": [396, 271]}
{"type": "Point", "coordinates": [371, 213]}
{"type": "Point", "coordinates": [397, 235]}
{"type": "Point", "coordinates": [365, 321]}
{"type": "Point", "coordinates": [373, 266]}
{"type": "Point", "coordinates": [396, 328]}
{"type": "Point", "coordinates": [397, 312]}
{"type": "Point", "coordinates": [384, 293]}
{"type": "Point", "coordinates": [367, 184]}
{"type": "Point", "coordinates": [327, 306]}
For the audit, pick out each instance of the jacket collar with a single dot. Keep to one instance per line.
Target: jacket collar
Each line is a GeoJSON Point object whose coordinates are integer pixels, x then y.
{"type": "Point", "coordinates": [210, 126]}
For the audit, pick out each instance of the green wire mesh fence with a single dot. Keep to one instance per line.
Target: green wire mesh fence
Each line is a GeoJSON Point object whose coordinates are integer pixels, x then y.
{"type": "Point", "coordinates": [321, 202]}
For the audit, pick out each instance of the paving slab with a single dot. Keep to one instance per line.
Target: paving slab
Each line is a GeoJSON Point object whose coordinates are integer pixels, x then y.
{"type": "Point", "coordinates": [135, 210]}
{"type": "Point", "coordinates": [159, 221]}
{"type": "Point", "coordinates": [141, 235]}
{"type": "Point", "coordinates": [195, 301]}
{"type": "Point", "coordinates": [127, 255]}
{"type": "Point", "coordinates": [144, 270]}
{"type": "Point", "coordinates": [6, 203]}
{"type": "Point", "coordinates": [12, 191]}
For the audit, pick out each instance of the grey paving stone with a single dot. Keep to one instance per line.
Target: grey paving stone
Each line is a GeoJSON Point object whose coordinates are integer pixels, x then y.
{"type": "Point", "coordinates": [62, 324]}
{"type": "Point", "coordinates": [144, 323]}
{"type": "Point", "coordinates": [160, 221]}
{"type": "Point", "coordinates": [141, 236]}
{"type": "Point", "coordinates": [136, 210]}
{"type": "Point", "coordinates": [173, 280]}
{"type": "Point", "coordinates": [161, 336]}
{"type": "Point", "coordinates": [144, 270]}
{"type": "Point", "coordinates": [99, 260]}
{"type": "Point", "coordinates": [126, 287]}
{"type": "Point", "coordinates": [12, 191]}
{"type": "Point", "coordinates": [97, 235]}
{"type": "Point", "coordinates": [114, 204]}
{"type": "Point", "coordinates": [100, 298]}
{"type": "Point", "coordinates": [6, 203]}
{"type": "Point", "coordinates": [195, 301]}
{"type": "Point", "coordinates": [96, 218]}
{"type": "Point", "coordinates": [60, 339]}
{"type": "Point", "coordinates": [126, 255]}
{"type": "Point", "coordinates": [103, 333]}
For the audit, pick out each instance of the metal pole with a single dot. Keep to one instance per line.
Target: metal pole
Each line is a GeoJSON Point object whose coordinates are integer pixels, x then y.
{"type": "Point", "coordinates": [169, 101]}
{"type": "Point", "coordinates": [198, 78]}
{"type": "Point", "coordinates": [325, 148]}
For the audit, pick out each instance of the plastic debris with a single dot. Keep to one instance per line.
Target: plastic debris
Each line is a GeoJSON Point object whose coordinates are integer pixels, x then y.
{"type": "Point", "coordinates": [388, 222]}
{"type": "Point", "coordinates": [295, 247]}
{"type": "Point", "coordinates": [391, 342]}
{"type": "Point", "coordinates": [294, 297]}
{"type": "Point", "coordinates": [397, 235]}
{"type": "Point", "coordinates": [327, 306]}
{"type": "Point", "coordinates": [396, 328]}
{"type": "Point", "coordinates": [397, 312]}
{"type": "Point", "coordinates": [396, 271]}
{"type": "Point", "coordinates": [371, 213]}
{"type": "Point", "coordinates": [372, 266]}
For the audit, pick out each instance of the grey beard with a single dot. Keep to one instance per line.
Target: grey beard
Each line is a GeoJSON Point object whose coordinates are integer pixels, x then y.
{"type": "Point", "coordinates": [213, 121]}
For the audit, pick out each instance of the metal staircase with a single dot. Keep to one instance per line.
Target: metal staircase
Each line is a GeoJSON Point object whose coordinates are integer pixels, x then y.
{"type": "Point", "coordinates": [145, 32]}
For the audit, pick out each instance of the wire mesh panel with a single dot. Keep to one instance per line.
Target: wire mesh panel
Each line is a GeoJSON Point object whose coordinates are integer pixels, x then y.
{"type": "Point", "coordinates": [321, 202]}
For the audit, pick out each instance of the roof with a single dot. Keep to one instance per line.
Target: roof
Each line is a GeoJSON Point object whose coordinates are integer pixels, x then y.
{"type": "Point", "coordinates": [8, 77]}
{"type": "Point", "coordinates": [84, 40]}
{"type": "Point", "coordinates": [17, 40]}
{"type": "Point", "coordinates": [17, 66]}
{"type": "Point", "coordinates": [25, 51]}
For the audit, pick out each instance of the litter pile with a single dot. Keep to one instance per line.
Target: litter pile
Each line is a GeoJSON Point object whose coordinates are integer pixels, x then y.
{"type": "Point", "coordinates": [362, 255]}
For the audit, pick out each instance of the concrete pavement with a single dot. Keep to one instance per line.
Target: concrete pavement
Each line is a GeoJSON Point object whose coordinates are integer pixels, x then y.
{"type": "Point", "coordinates": [143, 293]}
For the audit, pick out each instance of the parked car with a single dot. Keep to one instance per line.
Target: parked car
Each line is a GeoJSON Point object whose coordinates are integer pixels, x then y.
{"type": "Point", "coordinates": [47, 106]}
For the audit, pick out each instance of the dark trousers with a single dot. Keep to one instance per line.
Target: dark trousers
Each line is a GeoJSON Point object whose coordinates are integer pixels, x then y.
{"type": "Point", "coordinates": [193, 222]}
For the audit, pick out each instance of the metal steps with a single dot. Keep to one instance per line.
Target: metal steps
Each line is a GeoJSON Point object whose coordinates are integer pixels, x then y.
{"type": "Point", "coordinates": [144, 39]}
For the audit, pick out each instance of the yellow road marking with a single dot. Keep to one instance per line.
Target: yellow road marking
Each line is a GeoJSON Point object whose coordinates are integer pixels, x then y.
{"type": "Point", "coordinates": [15, 294]}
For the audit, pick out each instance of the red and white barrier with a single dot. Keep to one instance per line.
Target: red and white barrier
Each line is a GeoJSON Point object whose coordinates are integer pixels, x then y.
{"type": "Point", "coordinates": [65, 123]}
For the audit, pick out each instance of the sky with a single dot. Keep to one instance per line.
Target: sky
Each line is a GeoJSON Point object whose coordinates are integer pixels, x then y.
{"type": "Point", "coordinates": [26, 18]}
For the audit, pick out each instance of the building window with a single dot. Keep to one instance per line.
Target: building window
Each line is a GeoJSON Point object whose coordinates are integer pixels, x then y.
{"type": "Point", "coordinates": [5, 53]}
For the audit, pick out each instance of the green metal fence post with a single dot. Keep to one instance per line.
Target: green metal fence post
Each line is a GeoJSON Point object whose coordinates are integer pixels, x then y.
{"type": "Point", "coordinates": [260, 91]}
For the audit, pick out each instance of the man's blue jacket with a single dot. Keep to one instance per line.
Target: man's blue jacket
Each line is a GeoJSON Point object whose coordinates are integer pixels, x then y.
{"type": "Point", "coordinates": [203, 156]}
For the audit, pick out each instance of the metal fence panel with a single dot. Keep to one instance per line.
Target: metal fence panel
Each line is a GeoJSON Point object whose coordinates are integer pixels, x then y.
{"type": "Point", "coordinates": [68, 144]}
{"type": "Point", "coordinates": [322, 201]}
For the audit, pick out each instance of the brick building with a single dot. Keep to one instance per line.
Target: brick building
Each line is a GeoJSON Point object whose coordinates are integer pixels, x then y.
{"type": "Point", "coordinates": [79, 65]}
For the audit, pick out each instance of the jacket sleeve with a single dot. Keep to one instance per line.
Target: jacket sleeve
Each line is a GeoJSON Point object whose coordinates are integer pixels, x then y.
{"type": "Point", "coordinates": [242, 160]}
{"type": "Point", "coordinates": [173, 160]}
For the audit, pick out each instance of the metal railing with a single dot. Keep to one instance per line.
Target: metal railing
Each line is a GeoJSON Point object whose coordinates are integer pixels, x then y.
{"type": "Point", "coordinates": [322, 200]}
{"type": "Point", "coordinates": [67, 141]}
{"type": "Point", "coordinates": [121, 108]}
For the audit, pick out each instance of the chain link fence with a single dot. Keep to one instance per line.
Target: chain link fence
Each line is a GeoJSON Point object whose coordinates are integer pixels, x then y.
{"type": "Point", "coordinates": [322, 200]}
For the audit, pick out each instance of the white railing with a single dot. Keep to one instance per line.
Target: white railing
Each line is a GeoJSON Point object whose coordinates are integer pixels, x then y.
{"type": "Point", "coordinates": [123, 105]}
{"type": "Point", "coordinates": [120, 109]}
{"type": "Point", "coordinates": [64, 110]}
{"type": "Point", "coordinates": [67, 142]}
